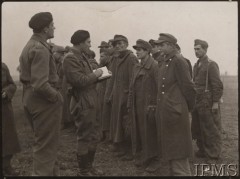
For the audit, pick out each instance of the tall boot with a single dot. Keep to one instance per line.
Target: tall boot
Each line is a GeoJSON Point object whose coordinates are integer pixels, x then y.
{"type": "Point", "coordinates": [93, 170]}
{"type": "Point", "coordinates": [83, 165]}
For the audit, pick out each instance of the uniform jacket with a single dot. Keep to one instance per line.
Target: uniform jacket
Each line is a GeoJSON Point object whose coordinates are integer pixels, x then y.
{"type": "Point", "coordinates": [80, 76]}
{"type": "Point", "coordinates": [10, 144]}
{"type": "Point", "coordinates": [38, 68]}
{"type": "Point", "coordinates": [117, 91]}
{"type": "Point", "coordinates": [215, 85]}
{"type": "Point", "coordinates": [147, 98]}
{"type": "Point", "coordinates": [175, 97]}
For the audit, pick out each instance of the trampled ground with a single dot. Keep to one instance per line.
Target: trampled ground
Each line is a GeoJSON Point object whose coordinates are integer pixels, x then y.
{"type": "Point", "coordinates": [106, 160]}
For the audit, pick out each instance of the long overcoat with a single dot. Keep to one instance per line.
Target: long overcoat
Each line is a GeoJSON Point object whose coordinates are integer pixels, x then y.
{"type": "Point", "coordinates": [101, 89]}
{"type": "Point", "coordinates": [80, 76]}
{"type": "Point", "coordinates": [142, 100]}
{"type": "Point", "coordinates": [176, 96]}
{"type": "Point", "coordinates": [117, 92]}
{"type": "Point", "coordinates": [10, 143]}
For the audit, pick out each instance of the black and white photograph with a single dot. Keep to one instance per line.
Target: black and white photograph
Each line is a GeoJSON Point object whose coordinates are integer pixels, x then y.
{"type": "Point", "coordinates": [120, 88]}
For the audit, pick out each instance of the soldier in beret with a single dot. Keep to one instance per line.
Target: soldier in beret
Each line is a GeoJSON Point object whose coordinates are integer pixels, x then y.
{"type": "Point", "coordinates": [175, 98]}
{"type": "Point", "coordinates": [83, 106]}
{"type": "Point", "coordinates": [41, 99]}
{"type": "Point", "coordinates": [117, 94]}
{"type": "Point", "coordinates": [142, 101]}
{"type": "Point", "coordinates": [10, 140]}
{"type": "Point", "coordinates": [206, 118]}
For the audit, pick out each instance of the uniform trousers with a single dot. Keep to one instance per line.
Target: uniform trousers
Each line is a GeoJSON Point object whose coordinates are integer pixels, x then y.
{"type": "Point", "coordinates": [45, 120]}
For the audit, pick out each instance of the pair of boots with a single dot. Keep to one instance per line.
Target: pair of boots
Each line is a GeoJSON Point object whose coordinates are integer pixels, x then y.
{"type": "Point", "coordinates": [85, 164]}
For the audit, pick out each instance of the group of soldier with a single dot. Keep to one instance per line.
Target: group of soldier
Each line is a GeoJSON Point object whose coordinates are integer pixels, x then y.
{"type": "Point", "coordinates": [141, 112]}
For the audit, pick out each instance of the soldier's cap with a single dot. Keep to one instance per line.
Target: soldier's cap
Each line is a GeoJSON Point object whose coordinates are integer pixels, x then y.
{"type": "Point", "coordinates": [119, 38]}
{"type": "Point", "coordinates": [110, 41]}
{"type": "Point", "coordinates": [103, 44]}
{"type": "Point", "coordinates": [143, 44]}
{"type": "Point", "coordinates": [151, 41]}
{"type": "Point", "coordinates": [40, 20]}
{"type": "Point", "coordinates": [165, 37]}
{"type": "Point", "coordinates": [203, 43]}
{"type": "Point", "coordinates": [79, 36]}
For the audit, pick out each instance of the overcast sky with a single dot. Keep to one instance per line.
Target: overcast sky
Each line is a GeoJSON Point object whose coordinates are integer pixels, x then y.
{"type": "Point", "coordinates": [215, 22]}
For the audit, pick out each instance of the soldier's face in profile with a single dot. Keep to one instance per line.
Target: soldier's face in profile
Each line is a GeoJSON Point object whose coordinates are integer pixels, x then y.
{"type": "Point", "coordinates": [50, 30]}
{"type": "Point", "coordinates": [141, 53]}
{"type": "Point", "coordinates": [120, 45]}
{"type": "Point", "coordinates": [88, 43]}
{"type": "Point", "coordinates": [199, 51]}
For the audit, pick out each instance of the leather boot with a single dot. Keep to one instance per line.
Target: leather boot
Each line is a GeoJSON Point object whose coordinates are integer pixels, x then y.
{"type": "Point", "coordinates": [83, 165]}
{"type": "Point", "coordinates": [93, 170]}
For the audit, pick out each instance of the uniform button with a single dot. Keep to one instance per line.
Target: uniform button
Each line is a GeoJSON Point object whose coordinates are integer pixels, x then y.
{"type": "Point", "coordinates": [163, 78]}
{"type": "Point", "coordinates": [170, 59]}
{"type": "Point", "coordinates": [162, 85]}
{"type": "Point", "coordinates": [162, 92]}
{"type": "Point", "coordinates": [166, 65]}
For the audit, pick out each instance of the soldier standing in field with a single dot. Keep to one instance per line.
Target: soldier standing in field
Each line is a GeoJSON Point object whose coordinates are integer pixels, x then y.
{"type": "Point", "coordinates": [117, 94]}
{"type": "Point", "coordinates": [175, 98]}
{"type": "Point", "coordinates": [142, 101]}
{"type": "Point", "coordinates": [206, 118]}
{"type": "Point", "coordinates": [10, 142]}
{"type": "Point", "coordinates": [83, 106]}
{"type": "Point", "coordinates": [41, 99]}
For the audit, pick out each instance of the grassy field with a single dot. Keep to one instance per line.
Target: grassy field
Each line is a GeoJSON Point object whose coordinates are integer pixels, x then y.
{"type": "Point", "coordinates": [105, 159]}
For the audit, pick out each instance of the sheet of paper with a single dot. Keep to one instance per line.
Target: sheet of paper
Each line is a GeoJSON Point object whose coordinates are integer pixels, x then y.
{"type": "Point", "coordinates": [105, 74]}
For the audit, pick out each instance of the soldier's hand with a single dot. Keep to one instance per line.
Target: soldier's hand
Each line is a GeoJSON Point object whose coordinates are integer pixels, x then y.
{"type": "Point", "coordinates": [98, 72]}
{"type": "Point", "coordinates": [215, 107]}
{"type": "Point", "coordinates": [4, 94]}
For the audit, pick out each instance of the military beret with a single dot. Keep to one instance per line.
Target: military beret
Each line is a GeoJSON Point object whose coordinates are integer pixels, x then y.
{"type": "Point", "coordinates": [143, 44]}
{"type": "Point", "coordinates": [119, 38]}
{"type": "Point", "coordinates": [79, 36]}
{"type": "Point", "coordinates": [203, 43]}
{"type": "Point", "coordinates": [164, 37]}
{"type": "Point", "coordinates": [40, 20]}
{"type": "Point", "coordinates": [103, 44]}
